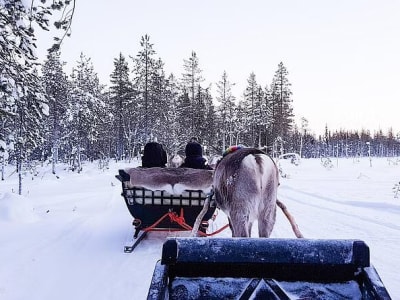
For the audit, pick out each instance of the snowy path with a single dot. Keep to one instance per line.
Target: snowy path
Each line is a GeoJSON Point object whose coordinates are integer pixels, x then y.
{"type": "Point", "coordinates": [330, 213]}
{"type": "Point", "coordinates": [75, 251]}
{"type": "Point", "coordinates": [71, 245]}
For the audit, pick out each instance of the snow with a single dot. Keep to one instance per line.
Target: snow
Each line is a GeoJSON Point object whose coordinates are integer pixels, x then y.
{"type": "Point", "coordinates": [227, 288]}
{"type": "Point", "coordinates": [64, 237]}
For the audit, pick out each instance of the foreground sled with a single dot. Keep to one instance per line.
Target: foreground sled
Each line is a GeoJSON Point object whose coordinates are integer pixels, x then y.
{"type": "Point", "coordinates": [165, 199]}
{"type": "Point", "coordinates": [245, 268]}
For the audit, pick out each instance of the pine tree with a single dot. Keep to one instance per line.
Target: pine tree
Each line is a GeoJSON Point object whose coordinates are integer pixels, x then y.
{"type": "Point", "coordinates": [173, 140]}
{"type": "Point", "coordinates": [30, 110]}
{"type": "Point", "coordinates": [268, 118]}
{"type": "Point", "coordinates": [106, 131]}
{"type": "Point", "coordinates": [226, 109]}
{"type": "Point", "coordinates": [84, 111]}
{"type": "Point", "coordinates": [241, 124]}
{"type": "Point", "coordinates": [209, 125]}
{"type": "Point", "coordinates": [303, 134]}
{"type": "Point", "coordinates": [17, 41]}
{"type": "Point", "coordinates": [282, 103]}
{"type": "Point", "coordinates": [251, 103]}
{"type": "Point", "coordinates": [159, 101]}
{"type": "Point", "coordinates": [19, 83]}
{"type": "Point", "coordinates": [190, 84]}
{"type": "Point", "coordinates": [261, 118]}
{"type": "Point", "coordinates": [122, 106]}
{"type": "Point", "coordinates": [199, 112]}
{"type": "Point", "coordinates": [56, 85]}
{"type": "Point", "coordinates": [144, 64]}
{"type": "Point", "coordinates": [184, 118]}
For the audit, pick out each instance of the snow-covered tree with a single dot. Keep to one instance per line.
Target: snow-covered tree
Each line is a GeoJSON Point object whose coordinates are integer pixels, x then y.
{"type": "Point", "coordinates": [84, 112]}
{"type": "Point", "coordinates": [282, 103]}
{"type": "Point", "coordinates": [123, 109]}
{"type": "Point", "coordinates": [159, 100]}
{"type": "Point", "coordinates": [225, 109]}
{"type": "Point", "coordinates": [303, 133]}
{"type": "Point", "coordinates": [173, 140]}
{"type": "Point", "coordinates": [191, 79]}
{"type": "Point", "coordinates": [184, 116]}
{"type": "Point", "coordinates": [209, 130]}
{"type": "Point", "coordinates": [56, 86]}
{"type": "Point", "coordinates": [143, 69]}
{"type": "Point", "coordinates": [29, 113]}
{"type": "Point", "coordinates": [18, 20]}
{"type": "Point", "coordinates": [252, 103]}
{"type": "Point", "coordinates": [19, 82]}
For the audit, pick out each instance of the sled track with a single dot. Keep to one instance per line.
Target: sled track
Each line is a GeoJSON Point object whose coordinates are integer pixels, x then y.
{"type": "Point", "coordinates": [394, 210]}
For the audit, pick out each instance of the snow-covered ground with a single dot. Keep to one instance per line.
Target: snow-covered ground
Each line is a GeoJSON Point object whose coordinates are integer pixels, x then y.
{"type": "Point", "coordinates": [64, 238]}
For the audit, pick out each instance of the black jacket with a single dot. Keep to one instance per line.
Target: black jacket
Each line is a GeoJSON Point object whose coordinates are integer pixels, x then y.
{"type": "Point", "coordinates": [195, 162]}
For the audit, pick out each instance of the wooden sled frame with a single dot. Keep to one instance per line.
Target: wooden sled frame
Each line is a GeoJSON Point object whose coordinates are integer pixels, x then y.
{"type": "Point", "coordinates": [161, 211]}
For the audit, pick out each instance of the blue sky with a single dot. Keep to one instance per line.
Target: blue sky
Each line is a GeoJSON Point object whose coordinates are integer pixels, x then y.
{"type": "Point", "coordinates": [342, 56]}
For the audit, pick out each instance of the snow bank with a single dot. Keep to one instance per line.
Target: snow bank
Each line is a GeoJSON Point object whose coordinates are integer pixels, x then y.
{"type": "Point", "coordinates": [14, 208]}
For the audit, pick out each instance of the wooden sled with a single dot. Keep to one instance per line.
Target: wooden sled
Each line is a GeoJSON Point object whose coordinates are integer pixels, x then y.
{"type": "Point", "coordinates": [158, 210]}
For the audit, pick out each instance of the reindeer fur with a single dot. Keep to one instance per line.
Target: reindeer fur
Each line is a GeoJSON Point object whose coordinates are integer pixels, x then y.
{"type": "Point", "coordinates": [245, 185]}
{"type": "Point", "coordinates": [172, 180]}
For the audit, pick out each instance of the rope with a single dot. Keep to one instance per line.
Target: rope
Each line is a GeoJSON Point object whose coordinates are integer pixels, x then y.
{"type": "Point", "coordinates": [180, 220]}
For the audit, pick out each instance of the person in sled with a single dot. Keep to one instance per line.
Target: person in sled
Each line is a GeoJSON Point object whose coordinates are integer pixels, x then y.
{"type": "Point", "coordinates": [194, 157]}
{"type": "Point", "coordinates": [154, 155]}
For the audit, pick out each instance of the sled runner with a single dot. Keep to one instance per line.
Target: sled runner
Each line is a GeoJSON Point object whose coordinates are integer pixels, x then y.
{"type": "Point", "coordinates": [250, 268]}
{"type": "Point", "coordinates": [165, 199]}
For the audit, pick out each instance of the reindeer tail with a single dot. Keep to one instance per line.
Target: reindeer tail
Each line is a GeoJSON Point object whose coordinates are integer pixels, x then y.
{"type": "Point", "coordinates": [292, 222]}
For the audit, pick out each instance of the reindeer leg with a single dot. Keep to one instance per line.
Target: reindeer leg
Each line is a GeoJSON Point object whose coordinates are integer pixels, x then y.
{"type": "Point", "coordinates": [295, 228]}
{"type": "Point", "coordinates": [249, 227]}
{"type": "Point", "coordinates": [266, 221]}
{"type": "Point", "coordinates": [240, 226]}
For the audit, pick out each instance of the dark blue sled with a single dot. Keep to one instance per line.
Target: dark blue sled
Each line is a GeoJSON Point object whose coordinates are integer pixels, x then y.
{"type": "Point", "coordinates": [148, 207]}
{"type": "Point", "coordinates": [260, 268]}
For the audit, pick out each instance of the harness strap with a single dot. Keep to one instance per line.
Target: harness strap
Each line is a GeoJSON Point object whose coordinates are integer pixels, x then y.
{"type": "Point", "coordinates": [180, 220]}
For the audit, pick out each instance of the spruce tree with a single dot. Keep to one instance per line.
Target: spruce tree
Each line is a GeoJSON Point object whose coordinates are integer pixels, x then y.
{"type": "Point", "coordinates": [282, 103]}
{"type": "Point", "coordinates": [143, 70]}
{"type": "Point", "coordinates": [191, 79]}
{"type": "Point", "coordinates": [251, 104]}
{"type": "Point", "coordinates": [84, 111]}
{"type": "Point", "coordinates": [209, 125]}
{"type": "Point", "coordinates": [122, 106]}
{"type": "Point", "coordinates": [173, 140]}
{"type": "Point", "coordinates": [158, 101]}
{"type": "Point", "coordinates": [19, 83]}
{"type": "Point", "coordinates": [225, 110]}
{"type": "Point", "coordinates": [56, 85]}
{"type": "Point", "coordinates": [29, 113]}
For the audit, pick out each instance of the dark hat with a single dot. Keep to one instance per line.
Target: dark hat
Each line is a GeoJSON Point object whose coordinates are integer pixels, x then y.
{"type": "Point", "coordinates": [154, 155]}
{"type": "Point", "coordinates": [193, 149]}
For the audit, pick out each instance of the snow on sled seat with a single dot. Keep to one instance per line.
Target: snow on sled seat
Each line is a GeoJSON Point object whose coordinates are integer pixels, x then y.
{"type": "Point", "coordinates": [262, 268]}
{"type": "Point", "coordinates": [151, 193]}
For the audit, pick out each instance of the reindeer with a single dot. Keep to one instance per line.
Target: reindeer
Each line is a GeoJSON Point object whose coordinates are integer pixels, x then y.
{"type": "Point", "coordinates": [245, 185]}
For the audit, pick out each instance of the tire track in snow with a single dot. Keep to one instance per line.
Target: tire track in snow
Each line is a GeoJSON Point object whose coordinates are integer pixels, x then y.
{"type": "Point", "coordinates": [388, 208]}
{"type": "Point", "coordinates": [341, 212]}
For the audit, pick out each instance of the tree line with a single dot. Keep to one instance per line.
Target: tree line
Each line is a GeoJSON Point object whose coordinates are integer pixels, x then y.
{"type": "Point", "coordinates": [75, 116]}
{"type": "Point", "coordinates": [47, 115]}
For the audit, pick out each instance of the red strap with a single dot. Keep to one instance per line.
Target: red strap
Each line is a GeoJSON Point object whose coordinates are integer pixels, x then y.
{"type": "Point", "coordinates": [180, 220]}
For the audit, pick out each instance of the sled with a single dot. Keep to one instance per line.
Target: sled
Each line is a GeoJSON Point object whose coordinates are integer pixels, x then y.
{"type": "Point", "coordinates": [160, 210]}
{"type": "Point", "coordinates": [262, 268]}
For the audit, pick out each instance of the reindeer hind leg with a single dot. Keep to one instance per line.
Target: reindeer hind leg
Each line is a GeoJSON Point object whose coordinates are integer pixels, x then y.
{"type": "Point", "coordinates": [266, 222]}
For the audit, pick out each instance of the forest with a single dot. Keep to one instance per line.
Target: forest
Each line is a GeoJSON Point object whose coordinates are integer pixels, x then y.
{"type": "Point", "coordinates": [50, 116]}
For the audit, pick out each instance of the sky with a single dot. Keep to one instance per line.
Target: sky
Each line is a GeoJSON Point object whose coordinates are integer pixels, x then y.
{"type": "Point", "coordinates": [342, 56]}
{"type": "Point", "coordinates": [64, 237]}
